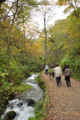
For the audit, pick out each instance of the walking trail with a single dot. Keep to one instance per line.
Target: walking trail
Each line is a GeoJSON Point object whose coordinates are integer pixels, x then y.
{"type": "Point", "coordinates": [64, 102]}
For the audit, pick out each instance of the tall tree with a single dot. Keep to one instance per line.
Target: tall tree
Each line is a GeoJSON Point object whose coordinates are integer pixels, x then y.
{"type": "Point", "coordinates": [17, 10]}
{"type": "Point", "coordinates": [45, 8]}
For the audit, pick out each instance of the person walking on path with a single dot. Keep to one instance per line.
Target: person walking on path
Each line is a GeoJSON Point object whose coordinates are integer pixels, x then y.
{"type": "Point", "coordinates": [67, 74]}
{"type": "Point", "coordinates": [57, 74]}
{"type": "Point", "coordinates": [46, 69]}
{"type": "Point", "coordinates": [50, 73]}
{"type": "Point", "coordinates": [65, 66]}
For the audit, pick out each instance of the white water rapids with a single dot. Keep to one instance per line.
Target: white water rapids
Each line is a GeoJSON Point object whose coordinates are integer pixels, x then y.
{"type": "Point", "coordinates": [20, 105]}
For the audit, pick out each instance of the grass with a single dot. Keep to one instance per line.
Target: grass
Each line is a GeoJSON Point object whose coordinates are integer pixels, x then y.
{"type": "Point", "coordinates": [40, 82]}
{"type": "Point", "coordinates": [41, 109]}
{"type": "Point", "coordinates": [18, 89]}
{"type": "Point", "coordinates": [0, 119]}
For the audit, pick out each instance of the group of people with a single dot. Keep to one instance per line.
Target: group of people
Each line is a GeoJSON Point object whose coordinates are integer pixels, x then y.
{"type": "Point", "coordinates": [55, 71]}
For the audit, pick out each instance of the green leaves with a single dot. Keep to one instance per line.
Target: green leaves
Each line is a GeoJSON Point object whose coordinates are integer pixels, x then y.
{"type": "Point", "coordinates": [66, 46]}
{"type": "Point", "coordinates": [30, 2]}
{"type": "Point", "coordinates": [72, 4]}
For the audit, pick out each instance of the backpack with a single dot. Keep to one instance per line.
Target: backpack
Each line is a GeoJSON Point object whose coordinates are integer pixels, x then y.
{"type": "Point", "coordinates": [67, 72]}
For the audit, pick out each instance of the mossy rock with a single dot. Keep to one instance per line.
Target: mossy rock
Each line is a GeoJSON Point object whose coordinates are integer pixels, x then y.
{"type": "Point", "coordinates": [30, 102]}
{"type": "Point", "coordinates": [10, 115]}
{"type": "Point", "coordinates": [12, 96]}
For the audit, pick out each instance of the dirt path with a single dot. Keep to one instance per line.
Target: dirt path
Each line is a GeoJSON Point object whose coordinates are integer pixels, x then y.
{"type": "Point", "coordinates": [64, 103]}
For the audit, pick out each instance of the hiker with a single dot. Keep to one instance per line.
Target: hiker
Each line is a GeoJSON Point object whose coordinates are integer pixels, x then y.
{"type": "Point", "coordinates": [46, 69]}
{"type": "Point", "coordinates": [58, 73]}
{"type": "Point", "coordinates": [67, 74]}
{"type": "Point", "coordinates": [53, 66]}
{"type": "Point", "coordinates": [65, 66]}
{"type": "Point", "coordinates": [50, 71]}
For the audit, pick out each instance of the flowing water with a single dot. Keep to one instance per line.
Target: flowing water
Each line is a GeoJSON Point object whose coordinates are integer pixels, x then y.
{"type": "Point", "coordinates": [20, 105]}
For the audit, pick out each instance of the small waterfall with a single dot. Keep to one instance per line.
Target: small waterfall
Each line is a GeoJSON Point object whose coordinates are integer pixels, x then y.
{"type": "Point", "coordinates": [20, 105]}
{"type": "Point", "coordinates": [21, 108]}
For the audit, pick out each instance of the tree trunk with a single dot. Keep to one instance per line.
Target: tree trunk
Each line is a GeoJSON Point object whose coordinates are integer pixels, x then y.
{"type": "Point", "coordinates": [45, 57]}
{"type": "Point", "coordinates": [9, 37]}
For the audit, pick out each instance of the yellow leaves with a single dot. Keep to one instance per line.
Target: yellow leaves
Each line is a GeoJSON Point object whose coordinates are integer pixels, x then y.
{"type": "Point", "coordinates": [6, 5]}
{"type": "Point", "coordinates": [62, 2]}
{"type": "Point", "coordinates": [5, 24]}
{"type": "Point", "coordinates": [66, 43]}
{"type": "Point", "coordinates": [37, 46]}
{"type": "Point", "coordinates": [77, 35]}
{"type": "Point", "coordinates": [34, 50]}
{"type": "Point", "coordinates": [27, 45]}
{"type": "Point", "coordinates": [14, 50]}
{"type": "Point", "coordinates": [55, 118]}
{"type": "Point", "coordinates": [42, 118]}
{"type": "Point", "coordinates": [75, 114]}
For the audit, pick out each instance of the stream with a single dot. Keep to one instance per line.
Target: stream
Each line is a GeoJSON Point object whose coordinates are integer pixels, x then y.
{"type": "Point", "coordinates": [21, 105]}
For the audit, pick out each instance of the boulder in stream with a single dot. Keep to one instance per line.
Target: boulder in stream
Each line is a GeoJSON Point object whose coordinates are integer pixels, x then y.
{"type": "Point", "coordinates": [10, 115]}
{"type": "Point", "coordinates": [30, 102]}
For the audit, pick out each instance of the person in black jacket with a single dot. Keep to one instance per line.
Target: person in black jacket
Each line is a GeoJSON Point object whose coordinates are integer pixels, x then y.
{"type": "Point", "coordinates": [65, 66]}
{"type": "Point", "coordinates": [67, 74]}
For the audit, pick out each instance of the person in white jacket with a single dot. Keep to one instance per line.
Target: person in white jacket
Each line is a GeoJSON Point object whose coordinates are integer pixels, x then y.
{"type": "Point", "coordinates": [57, 74]}
{"type": "Point", "coordinates": [46, 69]}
